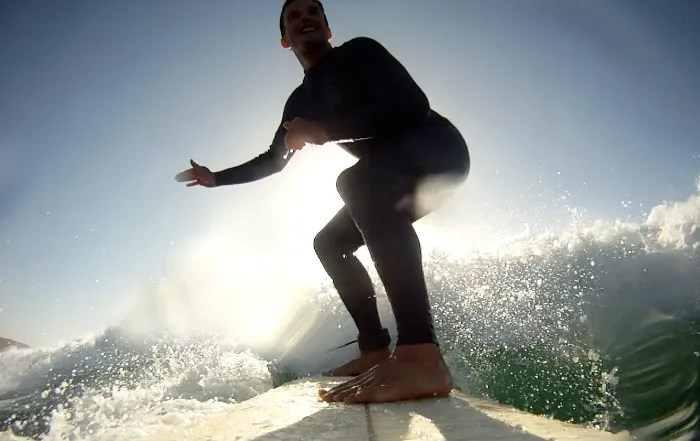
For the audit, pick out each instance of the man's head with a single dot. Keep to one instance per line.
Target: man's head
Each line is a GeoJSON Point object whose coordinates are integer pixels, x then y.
{"type": "Point", "coordinates": [303, 24]}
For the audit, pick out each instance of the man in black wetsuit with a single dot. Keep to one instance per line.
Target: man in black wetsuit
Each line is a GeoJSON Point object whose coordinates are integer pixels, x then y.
{"type": "Point", "coordinates": [359, 91]}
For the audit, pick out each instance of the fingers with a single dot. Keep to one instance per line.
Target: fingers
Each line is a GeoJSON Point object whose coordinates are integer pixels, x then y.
{"type": "Point", "coordinates": [294, 138]}
{"type": "Point", "coordinates": [189, 174]}
{"type": "Point", "coordinates": [185, 176]}
{"type": "Point", "coordinates": [293, 123]}
{"type": "Point", "coordinates": [198, 169]}
{"type": "Point", "coordinates": [197, 175]}
{"type": "Point", "coordinates": [294, 142]}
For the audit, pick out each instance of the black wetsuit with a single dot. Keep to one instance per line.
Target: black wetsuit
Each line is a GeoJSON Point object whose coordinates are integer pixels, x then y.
{"type": "Point", "coordinates": [359, 91]}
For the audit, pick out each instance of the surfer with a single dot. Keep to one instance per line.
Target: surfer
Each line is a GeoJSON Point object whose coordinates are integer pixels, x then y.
{"type": "Point", "coordinates": [358, 91]}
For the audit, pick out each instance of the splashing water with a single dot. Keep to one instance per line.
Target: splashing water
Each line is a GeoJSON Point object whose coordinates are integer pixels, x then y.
{"type": "Point", "coordinates": [576, 326]}
{"type": "Point", "coordinates": [115, 386]}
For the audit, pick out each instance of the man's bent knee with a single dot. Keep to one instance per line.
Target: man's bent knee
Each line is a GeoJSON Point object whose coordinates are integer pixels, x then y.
{"type": "Point", "coordinates": [347, 182]}
{"type": "Point", "coordinates": [330, 244]}
{"type": "Point", "coordinates": [323, 244]}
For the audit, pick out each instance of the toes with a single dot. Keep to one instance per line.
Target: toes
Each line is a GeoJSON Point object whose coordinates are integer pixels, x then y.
{"type": "Point", "coordinates": [341, 391]}
{"type": "Point", "coordinates": [326, 395]}
{"type": "Point", "coordinates": [360, 379]}
{"type": "Point", "coordinates": [331, 396]}
{"type": "Point", "coordinates": [356, 393]}
{"type": "Point", "coordinates": [361, 384]}
{"type": "Point", "coordinates": [349, 388]}
{"type": "Point", "coordinates": [345, 394]}
{"type": "Point", "coordinates": [332, 393]}
{"type": "Point", "coordinates": [351, 399]}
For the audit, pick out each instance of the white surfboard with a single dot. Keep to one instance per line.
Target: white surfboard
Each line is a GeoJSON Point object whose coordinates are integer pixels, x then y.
{"type": "Point", "coordinates": [293, 412]}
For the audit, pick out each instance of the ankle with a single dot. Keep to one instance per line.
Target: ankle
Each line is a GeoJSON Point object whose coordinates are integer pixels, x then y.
{"type": "Point", "coordinates": [421, 351]}
{"type": "Point", "coordinates": [384, 352]}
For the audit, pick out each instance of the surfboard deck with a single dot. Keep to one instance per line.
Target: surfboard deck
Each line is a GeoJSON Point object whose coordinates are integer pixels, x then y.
{"type": "Point", "coordinates": [293, 412]}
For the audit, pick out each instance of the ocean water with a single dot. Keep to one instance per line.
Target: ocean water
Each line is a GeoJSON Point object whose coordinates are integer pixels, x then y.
{"type": "Point", "coordinates": [597, 325]}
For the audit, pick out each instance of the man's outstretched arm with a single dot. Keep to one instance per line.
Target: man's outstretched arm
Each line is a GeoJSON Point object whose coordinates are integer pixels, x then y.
{"type": "Point", "coordinates": [266, 164]}
{"type": "Point", "coordinates": [270, 162]}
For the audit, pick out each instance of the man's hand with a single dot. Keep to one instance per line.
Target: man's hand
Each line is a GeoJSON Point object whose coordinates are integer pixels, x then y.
{"type": "Point", "coordinates": [197, 175]}
{"type": "Point", "coordinates": [301, 131]}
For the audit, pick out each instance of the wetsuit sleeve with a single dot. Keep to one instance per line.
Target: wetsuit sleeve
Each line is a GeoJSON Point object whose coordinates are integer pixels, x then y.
{"type": "Point", "coordinates": [385, 99]}
{"type": "Point", "coordinates": [272, 161]}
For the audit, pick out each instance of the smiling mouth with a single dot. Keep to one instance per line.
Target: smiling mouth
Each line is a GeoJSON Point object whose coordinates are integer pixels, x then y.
{"type": "Point", "coordinates": [308, 29]}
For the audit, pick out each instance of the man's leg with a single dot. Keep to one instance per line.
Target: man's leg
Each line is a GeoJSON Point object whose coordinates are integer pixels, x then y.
{"type": "Point", "coordinates": [335, 245]}
{"type": "Point", "coordinates": [372, 196]}
{"type": "Point", "coordinates": [375, 190]}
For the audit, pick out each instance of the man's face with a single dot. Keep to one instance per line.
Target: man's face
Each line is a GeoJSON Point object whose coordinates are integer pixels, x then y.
{"type": "Point", "coordinates": [304, 25]}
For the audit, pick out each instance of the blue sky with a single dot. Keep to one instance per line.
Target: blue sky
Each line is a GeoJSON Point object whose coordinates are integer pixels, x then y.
{"type": "Point", "coordinates": [102, 103]}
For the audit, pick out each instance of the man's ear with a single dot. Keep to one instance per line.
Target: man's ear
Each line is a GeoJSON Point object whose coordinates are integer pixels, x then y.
{"type": "Point", "coordinates": [284, 43]}
{"type": "Point", "coordinates": [330, 33]}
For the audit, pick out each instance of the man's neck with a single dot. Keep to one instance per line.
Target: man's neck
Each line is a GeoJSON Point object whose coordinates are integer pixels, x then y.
{"type": "Point", "coordinates": [313, 55]}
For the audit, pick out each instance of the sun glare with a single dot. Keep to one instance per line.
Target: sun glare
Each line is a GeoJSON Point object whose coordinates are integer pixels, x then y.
{"type": "Point", "coordinates": [309, 205]}
{"type": "Point", "coordinates": [313, 174]}
{"type": "Point", "coordinates": [236, 291]}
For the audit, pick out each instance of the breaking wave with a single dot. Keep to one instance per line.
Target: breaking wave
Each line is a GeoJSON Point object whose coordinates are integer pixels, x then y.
{"type": "Point", "coordinates": [576, 326]}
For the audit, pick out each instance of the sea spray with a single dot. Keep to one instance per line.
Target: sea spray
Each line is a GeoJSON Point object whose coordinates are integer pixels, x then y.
{"type": "Point", "coordinates": [113, 383]}
{"type": "Point", "coordinates": [555, 324]}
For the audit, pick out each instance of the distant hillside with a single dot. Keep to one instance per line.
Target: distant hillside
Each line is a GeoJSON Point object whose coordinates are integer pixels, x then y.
{"type": "Point", "coordinates": [6, 343]}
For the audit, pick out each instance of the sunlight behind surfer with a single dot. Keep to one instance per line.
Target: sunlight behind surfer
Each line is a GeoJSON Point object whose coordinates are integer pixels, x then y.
{"type": "Point", "coordinates": [359, 91]}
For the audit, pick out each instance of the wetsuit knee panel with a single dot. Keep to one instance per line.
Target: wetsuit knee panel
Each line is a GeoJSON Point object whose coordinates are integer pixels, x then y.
{"type": "Point", "coordinates": [322, 243]}
{"type": "Point", "coordinates": [329, 244]}
{"type": "Point", "coordinates": [346, 182]}
{"type": "Point", "coordinates": [338, 238]}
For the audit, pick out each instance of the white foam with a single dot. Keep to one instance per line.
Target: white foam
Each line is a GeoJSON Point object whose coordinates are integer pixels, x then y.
{"type": "Point", "coordinates": [110, 386]}
{"type": "Point", "coordinates": [677, 224]}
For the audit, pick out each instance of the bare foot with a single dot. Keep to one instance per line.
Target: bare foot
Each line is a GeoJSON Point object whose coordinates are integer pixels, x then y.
{"type": "Point", "coordinates": [361, 364]}
{"type": "Point", "coordinates": [411, 373]}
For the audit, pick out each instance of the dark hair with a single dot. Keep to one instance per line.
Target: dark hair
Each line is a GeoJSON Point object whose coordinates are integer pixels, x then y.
{"type": "Point", "coordinates": [284, 8]}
